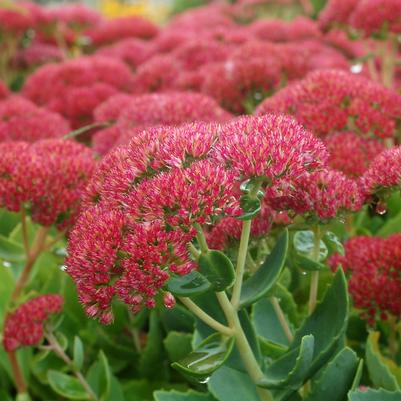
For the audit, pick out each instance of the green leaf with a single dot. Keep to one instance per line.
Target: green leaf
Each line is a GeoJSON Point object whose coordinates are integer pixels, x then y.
{"type": "Point", "coordinates": [291, 370]}
{"type": "Point", "coordinates": [374, 395]}
{"type": "Point", "coordinates": [188, 285]}
{"type": "Point", "coordinates": [379, 372]}
{"type": "Point", "coordinates": [20, 397]}
{"type": "Point", "coordinates": [333, 243]}
{"type": "Point", "coordinates": [304, 243]}
{"type": "Point", "coordinates": [227, 384]}
{"type": "Point", "coordinates": [152, 359]}
{"type": "Point", "coordinates": [179, 396]}
{"type": "Point", "coordinates": [335, 380]}
{"type": "Point", "coordinates": [304, 263]}
{"type": "Point", "coordinates": [207, 357]}
{"type": "Point", "coordinates": [327, 323]}
{"type": "Point", "coordinates": [358, 375]}
{"type": "Point", "coordinates": [218, 269]}
{"type": "Point", "coordinates": [105, 385]}
{"type": "Point", "coordinates": [251, 206]}
{"type": "Point", "coordinates": [177, 345]}
{"type": "Point", "coordinates": [66, 386]}
{"type": "Point", "coordinates": [11, 251]}
{"type": "Point", "coordinates": [267, 275]}
{"type": "Point", "coordinates": [177, 319]}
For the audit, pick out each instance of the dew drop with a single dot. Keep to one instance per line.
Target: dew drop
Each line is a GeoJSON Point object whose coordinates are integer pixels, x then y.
{"type": "Point", "coordinates": [381, 208]}
{"type": "Point", "coordinates": [6, 264]}
{"type": "Point", "coordinates": [356, 68]}
{"type": "Point", "coordinates": [204, 380]}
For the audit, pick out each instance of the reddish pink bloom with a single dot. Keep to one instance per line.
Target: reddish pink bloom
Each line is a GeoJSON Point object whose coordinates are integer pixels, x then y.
{"type": "Point", "coordinates": [169, 109]}
{"type": "Point", "coordinates": [350, 153]}
{"type": "Point", "coordinates": [383, 175]}
{"type": "Point", "coordinates": [374, 266]}
{"type": "Point", "coordinates": [77, 16]}
{"type": "Point", "coordinates": [156, 75]}
{"type": "Point", "coordinates": [276, 30]}
{"type": "Point", "coordinates": [24, 327]}
{"type": "Point", "coordinates": [368, 16]}
{"type": "Point", "coordinates": [59, 170]}
{"type": "Point", "coordinates": [169, 300]}
{"type": "Point", "coordinates": [334, 100]}
{"type": "Point", "coordinates": [110, 257]}
{"type": "Point", "coordinates": [113, 30]}
{"type": "Point", "coordinates": [198, 52]}
{"type": "Point", "coordinates": [272, 147]}
{"type": "Point", "coordinates": [15, 18]}
{"type": "Point", "coordinates": [76, 87]}
{"type": "Point", "coordinates": [239, 84]}
{"type": "Point", "coordinates": [132, 51]}
{"type": "Point", "coordinates": [38, 53]}
{"type": "Point", "coordinates": [111, 109]}
{"type": "Point", "coordinates": [21, 120]}
{"type": "Point", "coordinates": [324, 194]}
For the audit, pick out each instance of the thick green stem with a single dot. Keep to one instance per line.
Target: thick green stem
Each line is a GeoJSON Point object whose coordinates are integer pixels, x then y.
{"type": "Point", "coordinates": [314, 284]}
{"type": "Point", "coordinates": [242, 253]}
{"type": "Point", "coordinates": [58, 350]}
{"type": "Point", "coordinates": [282, 319]}
{"type": "Point", "coordinates": [202, 315]}
{"type": "Point", "coordinates": [244, 349]}
{"type": "Point", "coordinates": [200, 236]}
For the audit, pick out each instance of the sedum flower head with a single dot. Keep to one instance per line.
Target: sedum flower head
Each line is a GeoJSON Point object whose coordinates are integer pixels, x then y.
{"type": "Point", "coordinates": [24, 327]}
{"type": "Point", "coordinates": [333, 100]}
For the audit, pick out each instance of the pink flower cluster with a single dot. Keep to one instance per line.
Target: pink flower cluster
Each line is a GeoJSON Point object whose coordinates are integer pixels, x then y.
{"type": "Point", "coordinates": [144, 200]}
{"type": "Point", "coordinates": [25, 326]}
{"type": "Point", "coordinates": [46, 177]}
{"type": "Point", "coordinates": [374, 266]}
{"type": "Point", "coordinates": [76, 87]}
{"type": "Point", "coordinates": [333, 100]}
{"type": "Point", "coordinates": [368, 16]}
{"type": "Point", "coordinates": [132, 114]}
{"type": "Point", "coordinates": [22, 120]}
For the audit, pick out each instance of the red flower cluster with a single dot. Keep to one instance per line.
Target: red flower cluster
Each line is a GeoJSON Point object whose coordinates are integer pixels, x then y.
{"type": "Point", "coordinates": [110, 31]}
{"type": "Point", "coordinates": [383, 175]}
{"type": "Point", "coordinates": [76, 87]}
{"type": "Point", "coordinates": [333, 100]}
{"type": "Point", "coordinates": [368, 16]}
{"type": "Point", "coordinates": [47, 177]}
{"type": "Point", "coordinates": [351, 153]}
{"type": "Point", "coordinates": [134, 114]}
{"type": "Point", "coordinates": [4, 92]}
{"type": "Point", "coordinates": [374, 266]}
{"type": "Point", "coordinates": [144, 200]}
{"type": "Point", "coordinates": [25, 326]}
{"type": "Point", "coordinates": [22, 120]}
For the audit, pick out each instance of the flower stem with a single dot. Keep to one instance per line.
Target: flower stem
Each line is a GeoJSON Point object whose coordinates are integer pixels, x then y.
{"type": "Point", "coordinates": [24, 232]}
{"type": "Point", "coordinates": [202, 315]}
{"type": "Point", "coordinates": [33, 254]}
{"type": "Point", "coordinates": [58, 350]}
{"type": "Point", "coordinates": [314, 285]}
{"type": "Point", "coordinates": [17, 373]}
{"type": "Point", "coordinates": [201, 238]}
{"type": "Point", "coordinates": [245, 350]}
{"type": "Point", "coordinates": [281, 318]}
{"type": "Point", "coordinates": [389, 58]}
{"type": "Point", "coordinates": [240, 268]}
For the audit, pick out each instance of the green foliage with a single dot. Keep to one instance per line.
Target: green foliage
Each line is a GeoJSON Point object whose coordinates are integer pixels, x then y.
{"type": "Point", "coordinates": [207, 357]}
{"type": "Point", "coordinates": [374, 395]}
{"type": "Point", "coordinates": [259, 285]}
{"type": "Point", "coordinates": [67, 386]}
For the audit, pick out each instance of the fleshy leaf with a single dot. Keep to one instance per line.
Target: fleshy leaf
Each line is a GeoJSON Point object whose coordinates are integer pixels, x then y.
{"type": "Point", "coordinates": [207, 357]}
{"type": "Point", "coordinates": [11, 251]}
{"type": "Point", "coordinates": [66, 386]}
{"type": "Point", "coordinates": [174, 395]}
{"type": "Point", "coordinates": [217, 268]}
{"type": "Point", "coordinates": [335, 380]}
{"type": "Point", "coordinates": [327, 323]}
{"type": "Point", "coordinates": [333, 243]}
{"type": "Point", "coordinates": [374, 395]}
{"type": "Point", "coordinates": [291, 369]}
{"type": "Point", "coordinates": [188, 285]}
{"type": "Point", "coordinates": [304, 243]}
{"type": "Point", "coordinates": [267, 275]}
{"type": "Point", "coordinates": [78, 353]}
{"type": "Point", "coordinates": [379, 372]}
